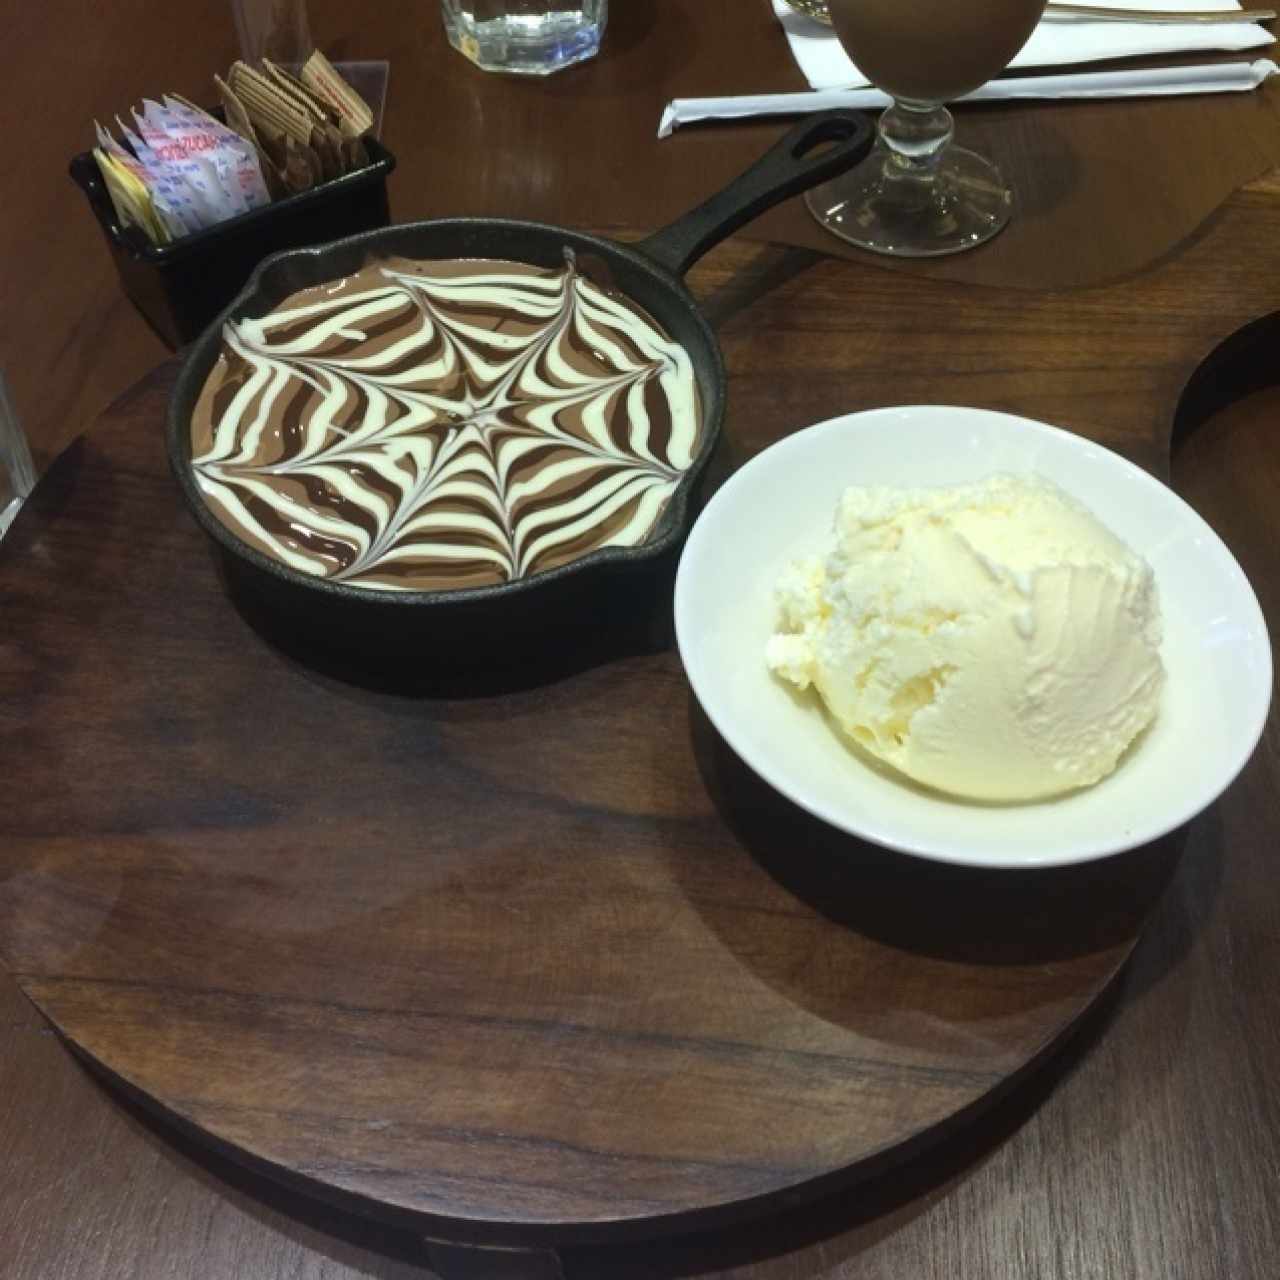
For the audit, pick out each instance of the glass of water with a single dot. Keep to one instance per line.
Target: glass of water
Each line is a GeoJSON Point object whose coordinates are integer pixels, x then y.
{"type": "Point", "coordinates": [526, 37]}
{"type": "Point", "coordinates": [17, 474]}
{"type": "Point", "coordinates": [277, 29]}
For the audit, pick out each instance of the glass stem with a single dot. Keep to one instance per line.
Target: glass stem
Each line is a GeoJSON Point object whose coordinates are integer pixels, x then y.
{"type": "Point", "coordinates": [915, 134]}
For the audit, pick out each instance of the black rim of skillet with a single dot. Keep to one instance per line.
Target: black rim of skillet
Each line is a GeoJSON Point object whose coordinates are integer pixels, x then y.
{"type": "Point", "coordinates": [254, 301]}
{"type": "Point", "coordinates": [784, 170]}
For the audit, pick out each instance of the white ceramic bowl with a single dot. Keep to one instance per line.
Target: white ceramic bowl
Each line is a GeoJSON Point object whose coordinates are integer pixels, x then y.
{"type": "Point", "coordinates": [780, 505]}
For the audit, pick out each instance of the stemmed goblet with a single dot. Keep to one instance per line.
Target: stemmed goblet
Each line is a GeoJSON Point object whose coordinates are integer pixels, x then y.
{"type": "Point", "coordinates": [917, 195]}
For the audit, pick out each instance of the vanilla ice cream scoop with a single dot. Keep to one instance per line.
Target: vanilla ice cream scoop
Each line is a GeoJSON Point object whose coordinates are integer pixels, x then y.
{"type": "Point", "coordinates": [991, 640]}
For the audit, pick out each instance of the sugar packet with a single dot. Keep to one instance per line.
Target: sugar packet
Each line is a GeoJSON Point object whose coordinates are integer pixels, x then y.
{"type": "Point", "coordinates": [179, 170]}
{"type": "Point", "coordinates": [229, 149]}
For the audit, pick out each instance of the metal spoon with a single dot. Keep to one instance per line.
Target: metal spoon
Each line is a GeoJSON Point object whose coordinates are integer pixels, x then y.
{"type": "Point", "coordinates": [817, 10]}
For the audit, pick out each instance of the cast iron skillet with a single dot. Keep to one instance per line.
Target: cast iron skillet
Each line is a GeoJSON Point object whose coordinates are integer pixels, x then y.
{"type": "Point", "coordinates": [648, 272]}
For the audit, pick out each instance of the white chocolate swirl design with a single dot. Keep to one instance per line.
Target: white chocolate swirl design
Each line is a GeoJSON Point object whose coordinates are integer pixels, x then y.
{"type": "Point", "coordinates": [422, 425]}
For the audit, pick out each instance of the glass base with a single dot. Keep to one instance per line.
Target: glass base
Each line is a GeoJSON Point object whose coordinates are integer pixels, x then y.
{"type": "Point", "coordinates": [878, 206]}
{"type": "Point", "coordinates": [530, 44]}
{"type": "Point", "coordinates": [8, 514]}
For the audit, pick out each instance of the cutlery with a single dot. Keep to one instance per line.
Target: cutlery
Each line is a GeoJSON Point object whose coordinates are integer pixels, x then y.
{"type": "Point", "coordinates": [817, 9]}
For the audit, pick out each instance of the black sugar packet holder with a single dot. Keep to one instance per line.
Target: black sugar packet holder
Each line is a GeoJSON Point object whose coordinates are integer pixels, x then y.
{"type": "Point", "coordinates": [180, 287]}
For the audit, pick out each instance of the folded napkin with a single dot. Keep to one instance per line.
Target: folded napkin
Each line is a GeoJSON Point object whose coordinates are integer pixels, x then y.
{"type": "Point", "coordinates": [1055, 42]}
{"type": "Point", "coordinates": [1216, 77]}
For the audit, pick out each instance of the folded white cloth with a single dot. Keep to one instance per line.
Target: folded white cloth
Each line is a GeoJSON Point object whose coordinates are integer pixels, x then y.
{"type": "Point", "coordinates": [1055, 42]}
{"type": "Point", "coordinates": [1217, 77]}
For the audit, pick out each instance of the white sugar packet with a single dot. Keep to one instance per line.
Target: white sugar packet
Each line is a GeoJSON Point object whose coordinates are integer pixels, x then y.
{"type": "Point", "coordinates": [202, 160]}
{"type": "Point", "coordinates": [169, 191]}
{"type": "Point", "coordinates": [169, 162]}
{"type": "Point", "coordinates": [1056, 41]}
{"type": "Point", "coordinates": [229, 150]}
{"type": "Point", "coordinates": [188, 147]}
{"type": "Point", "coordinates": [126, 203]}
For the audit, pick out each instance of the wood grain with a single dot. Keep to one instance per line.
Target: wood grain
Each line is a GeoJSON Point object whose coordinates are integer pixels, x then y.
{"type": "Point", "coordinates": [1110, 186]}
{"type": "Point", "coordinates": [358, 938]}
{"type": "Point", "coordinates": [636, 988]}
{"type": "Point", "coordinates": [1148, 1148]}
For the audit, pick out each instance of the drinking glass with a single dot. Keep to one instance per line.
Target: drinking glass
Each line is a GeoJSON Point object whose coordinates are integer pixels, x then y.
{"type": "Point", "coordinates": [916, 195]}
{"type": "Point", "coordinates": [277, 29]}
{"type": "Point", "coordinates": [527, 37]}
{"type": "Point", "coordinates": [17, 475]}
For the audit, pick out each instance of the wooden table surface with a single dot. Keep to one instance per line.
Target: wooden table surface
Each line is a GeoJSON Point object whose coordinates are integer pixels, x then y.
{"type": "Point", "coordinates": [1150, 1146]}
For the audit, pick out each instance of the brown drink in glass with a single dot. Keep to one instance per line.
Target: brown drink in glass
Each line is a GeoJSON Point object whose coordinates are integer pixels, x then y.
{"type": "Point", "coordinates": [917, 195]}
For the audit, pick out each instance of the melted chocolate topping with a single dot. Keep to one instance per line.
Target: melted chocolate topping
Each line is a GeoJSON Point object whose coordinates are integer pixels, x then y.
{"type": "Point", "coordinates": [425, 425]}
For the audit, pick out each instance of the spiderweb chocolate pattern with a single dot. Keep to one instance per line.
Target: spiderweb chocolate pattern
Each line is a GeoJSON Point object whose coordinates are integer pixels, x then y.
{"type": "Point", "coordinates": [445, 424]}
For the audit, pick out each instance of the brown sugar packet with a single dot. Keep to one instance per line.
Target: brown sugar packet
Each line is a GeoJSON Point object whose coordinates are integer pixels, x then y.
{"type": "Point", "coordinates": [353, 148]}
{"type": "Point", "coordinates": [301, 166]}
{"type": "Point", "coordinates": [322, 78]}
{"type": "Point", "coordinates": [354, 155]}
{"type": "Point", "coordinates": [273, 142]}
{"type": "Point", "coordinates": [334, 137]}
{"type": "Point", "coordinates": [330, 156]}
{"type": "Point", "coordinates": [293, 88]}
{"type": "Point", "coordinates": [264, 102]}
{"type": "Point", "coordinates": [238, 119]}
{"type": "Point", "coordinates": [275, 112]}
{"type": "Point", "coordinates": [326, 141]}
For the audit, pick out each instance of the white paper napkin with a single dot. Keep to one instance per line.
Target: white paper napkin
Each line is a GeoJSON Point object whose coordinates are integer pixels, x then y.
{"type": "Point", "coordinates": [1055, 42]}
{"type": "Point", "coordinates": [1137, 82]}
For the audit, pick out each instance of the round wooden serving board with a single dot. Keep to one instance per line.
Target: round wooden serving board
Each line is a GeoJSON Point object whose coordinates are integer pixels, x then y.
{"type": "Point", "coordinates": [533, 957]}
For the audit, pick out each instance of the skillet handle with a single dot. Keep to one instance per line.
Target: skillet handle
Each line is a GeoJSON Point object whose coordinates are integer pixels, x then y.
{"type": "Point", "coordinates": [784, 170]}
